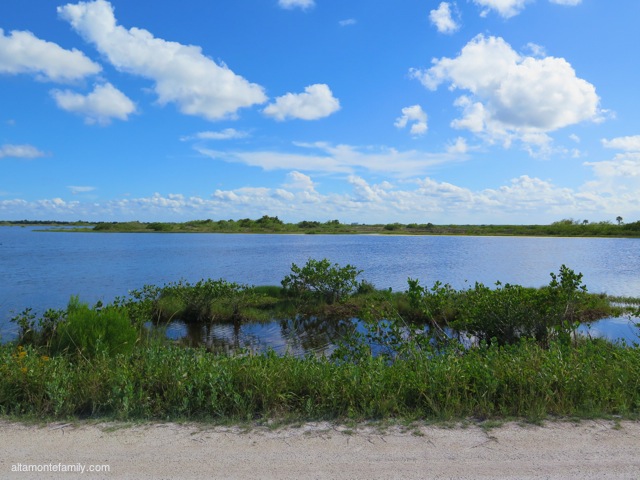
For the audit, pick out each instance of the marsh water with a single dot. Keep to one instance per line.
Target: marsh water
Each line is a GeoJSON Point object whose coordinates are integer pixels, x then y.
{"type": "Point", "coordinates": [42, 269]}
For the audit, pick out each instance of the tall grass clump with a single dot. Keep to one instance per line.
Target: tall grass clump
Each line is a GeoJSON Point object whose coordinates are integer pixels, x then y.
{"type": "Point", "coordinates": [94, 331]}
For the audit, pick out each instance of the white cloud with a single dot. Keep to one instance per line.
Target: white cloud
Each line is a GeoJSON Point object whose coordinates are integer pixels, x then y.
{"type": "Point", "coordinates": [510, 95]}
{"type": "Point", "coordinates": [571, 3]}
{"type": "Point", "coordinates": [416, 116]}
{"type": "Point", "coordinates": [523, 199]}
{"type": "Point", "coordinates": [510, 8]}
{"type": "Point", "coordinates": [338, 159]}
{"type": "Point", "coordinates": [443, 19]}
{"type": "Point", "coordinates": [182, 73]}
{"type": "Point", "coordinates": [458, 147]}
{"type": "Point", "coordinates": [619, 177]}
{"type": "Point", "coordinates": [623, 165]}
{"type": "Point", "coordinates": [226, 134]}
{"type": "Point", "coordinates": [100, 106]}
{"type": "Point", "coordinates": [20, 151]}
{"type": "Point", "coordinates": [535, 50]}
{"type": "Point", "coordinates": [316, 102]}
{"type": "Point", "coordinates": [347, 22]}
{"type": "Point", "coordinates": [505, 8]}
{"type": "Point", "coordinates": [617, 183]}
{"type": "Point", "coordinates": [80, 189]}
{"type": "Point", "coordinates": [299, 181]}
{"type": "Point", "coordinates": [628, 144]}
{"type": "Point", "coordinates": [290, 4]}
{"type": "Point", "coordinates": [23, 52]}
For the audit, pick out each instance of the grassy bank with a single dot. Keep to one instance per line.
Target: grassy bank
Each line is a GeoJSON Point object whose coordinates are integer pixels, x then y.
{"type": "Point", "coordinates": [592, 379]}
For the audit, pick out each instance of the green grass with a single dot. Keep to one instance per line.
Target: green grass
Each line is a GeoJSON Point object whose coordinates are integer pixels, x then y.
{"type": "Point", "coordinates": [159, 382]}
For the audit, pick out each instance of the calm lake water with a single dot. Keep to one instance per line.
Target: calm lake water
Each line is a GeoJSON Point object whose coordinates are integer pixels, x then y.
{"type": "Point", "coordinates": [43, 269]}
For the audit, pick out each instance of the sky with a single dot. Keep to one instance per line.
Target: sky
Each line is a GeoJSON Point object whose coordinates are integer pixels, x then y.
{"type": "Point", "coordinates": [411, 111]}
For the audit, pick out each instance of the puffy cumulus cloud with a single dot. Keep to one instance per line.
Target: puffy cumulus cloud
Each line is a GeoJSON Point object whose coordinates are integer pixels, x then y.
{"type": "Point", "coordinates": [459, 146]}
{"type": "Point", "coordinates": [316, 102]}
{"type": "Point", "coordinates": [622, 166]}
{"type": "Point", "coordinates": [443, 19]}
{"type": "Point", "coordinates": [100, 106]}
{"type": "Point", "coordinates": [510, 94]}
{"type": "Point", "coordinates": [226, 134]}
{"type": "Point", "coordinates": [20, 151]}
{"type": "Point", "coordinates": [291, 4]}
{"type": "Point", "coordinates": [416, 116]}
{"type": "Point", "coordinates": [299, 181]}
{"type": "Point", "coordinates": [529, 193]}
{"type": "Point", "coordinates": [182, 73]}
{"type": "Point", "coordinates": [23, 52]}
{"type": "Point", "coordinates": [338, 159]}
{"type": "Point", "coordinates": [629, 144]}
{"type": "Point", "coordinates": [619, 178]}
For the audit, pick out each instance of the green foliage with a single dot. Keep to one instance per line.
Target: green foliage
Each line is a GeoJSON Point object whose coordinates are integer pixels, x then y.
{"type": "Point", "coordinates": [393, 226]}
{"type": "Point", "coordinates": [89, 332]}
{"type": "Point", "coordinates": [503, 314]}
{"type": "Point", "coordinates": [160, 227]}
{"type": "Point", "coordinates": [437, 305]}
{"type": "Point", "coordinates": [207, 301]}
{"type": "Point", "coordinates": [567, 227]}
{"type": "Point", "coordinates": [590, 379]}
{"type": "Point", "coordinates": [140, 304]}
{"type": "Point", "coordinates": [390, 365]}
{"type": "Point", "coordinates": [119, 227]}
{"type": "Point", "coordinates": [507, 313]}
{"type": "Point", "coordinates": [38, 332]}
{"type": "Point", "coordinates": [319, 278]}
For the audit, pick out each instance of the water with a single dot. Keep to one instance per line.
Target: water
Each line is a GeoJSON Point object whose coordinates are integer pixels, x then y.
{"type": "Point", "coordinates": [43, 269]}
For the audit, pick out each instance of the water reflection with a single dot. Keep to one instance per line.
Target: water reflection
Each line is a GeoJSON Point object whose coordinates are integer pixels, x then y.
{"type": "Point", "coordinates": [298, 337]}
{"type": "Point", "coordinates": [625, 329]}
{"type": "Point", "coordinates": [319, 336]}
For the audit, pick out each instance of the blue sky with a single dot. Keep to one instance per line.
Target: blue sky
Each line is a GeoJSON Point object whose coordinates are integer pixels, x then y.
{"type": "Point", "coordinates": [468, 111]}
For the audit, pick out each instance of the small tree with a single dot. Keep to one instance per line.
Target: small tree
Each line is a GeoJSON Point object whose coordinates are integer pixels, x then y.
{"type": "Point", "coordinates": [619, 220]}
{"type": "Point", "coordinates": [319, 278]}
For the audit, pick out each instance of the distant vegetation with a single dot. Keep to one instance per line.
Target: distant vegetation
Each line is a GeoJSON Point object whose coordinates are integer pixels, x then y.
{"type": "Point", "coordinates": [267, 224]}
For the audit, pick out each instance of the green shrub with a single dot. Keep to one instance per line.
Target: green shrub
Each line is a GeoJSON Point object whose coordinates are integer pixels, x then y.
{"type": "Point", "coordinates": [318, 278]}
{"type": "Point", "coordinates": [92, 331]}
{"type": "Point", "coordinates": [507, 313]}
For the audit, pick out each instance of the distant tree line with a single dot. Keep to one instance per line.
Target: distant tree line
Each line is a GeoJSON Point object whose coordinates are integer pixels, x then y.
{"type": "Point", "coordinates": [268, 224]}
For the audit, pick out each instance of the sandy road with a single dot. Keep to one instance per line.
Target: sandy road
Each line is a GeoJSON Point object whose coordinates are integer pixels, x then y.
{"type": "Point", "coordinates": [590, 449]}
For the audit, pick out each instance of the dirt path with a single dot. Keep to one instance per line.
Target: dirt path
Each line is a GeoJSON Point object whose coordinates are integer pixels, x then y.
{"type": "Point", "coordinates": [591, 449]}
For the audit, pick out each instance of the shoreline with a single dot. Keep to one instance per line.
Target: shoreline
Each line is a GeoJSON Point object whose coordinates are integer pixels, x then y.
{"type": "Point", "coordinates": [558, 449]}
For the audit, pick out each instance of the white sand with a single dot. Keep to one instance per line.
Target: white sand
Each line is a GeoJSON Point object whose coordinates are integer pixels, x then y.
{"type": "Point", "coordinates": [558, 450]}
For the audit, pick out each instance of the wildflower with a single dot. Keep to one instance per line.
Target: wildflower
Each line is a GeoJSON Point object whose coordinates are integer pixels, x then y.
{"type": "Point", "coordinates": [21, 353]}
